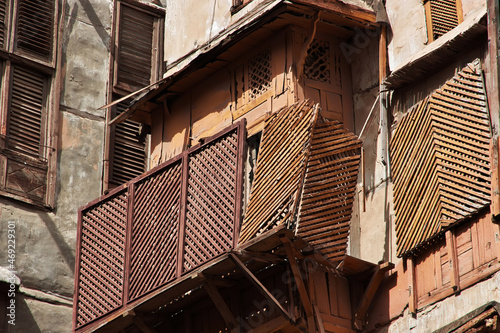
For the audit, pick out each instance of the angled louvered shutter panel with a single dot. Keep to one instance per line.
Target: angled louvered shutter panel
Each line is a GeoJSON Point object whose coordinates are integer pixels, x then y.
{"type": "Point", "coordinates": [35, 27]}
{"type": "Point", "coordinates": [129, 158]}
{"type": "Point", "coordinates": [26, 111]}
{"type": "Point", "coordinates": [440, 160]}
{"type": "Point", "coordinates": [3, 27]}
{"type": "Point", "coordinates": [135, 49]}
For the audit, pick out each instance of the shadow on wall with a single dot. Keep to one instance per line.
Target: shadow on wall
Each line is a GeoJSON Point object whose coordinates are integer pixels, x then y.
{"type": "Point", "coordinates": [23, 320]}
{"type": "Point", "coordinates": [67, 252]}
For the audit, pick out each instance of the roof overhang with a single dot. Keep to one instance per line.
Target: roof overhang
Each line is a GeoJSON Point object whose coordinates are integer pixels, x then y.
{"type": "Point", "coordinates": [337, 17]}
{"type": "Point", "coordinates": [438, 54]}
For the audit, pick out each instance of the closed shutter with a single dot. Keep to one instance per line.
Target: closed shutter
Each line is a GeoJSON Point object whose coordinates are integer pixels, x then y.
{"type": "Point", "coordinates": [135, 44]}
{"type": "Point", "coordinates": [3, 26]}
{"type": "Point", "coordinates": [24, 130]}
{"type": "Point", "coordinates": [35, 27]}
{"type": "Point", "coordinates": [129, 158]}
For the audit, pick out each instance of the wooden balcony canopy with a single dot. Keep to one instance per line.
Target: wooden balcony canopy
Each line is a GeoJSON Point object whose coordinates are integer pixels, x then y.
{"type": "Point", "coordinates": [337, 18]}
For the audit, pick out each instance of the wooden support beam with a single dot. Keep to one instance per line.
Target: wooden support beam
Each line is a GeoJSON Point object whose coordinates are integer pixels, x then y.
{"type": "Point", "coordinates": [412, 301]}
{"type": "Point", "coordinates": [321, 327]}
{"type": "Point", "coordinates": [369, 294]}
{"type": "Point", "coordinates": [267, 258]}
{"type": "Point", "coordinates": [142, 326]}
{"type": "Point", "coordinates": [453, 260]}
{"type": "Point", "coordinates": [306, 302]}
{"type": "Point", "coordinates": [219, 303]}
{"type": "Point", "coordinates": [262, 289]}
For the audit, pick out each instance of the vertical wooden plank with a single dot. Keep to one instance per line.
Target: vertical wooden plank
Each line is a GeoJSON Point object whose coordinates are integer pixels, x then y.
{"type": "Point", "coordinates": [412, 300]}
{"type": "Point", "coordinates": [77, 266]}
{"type": "Point", "coordinates": [319, 279]}
{"type": "Point", "coordinates": [241, 158]}
{"type": "Point", "coordinates": [428, 18]}
{"type": "Point", "coordinates": [182, 219]}
{"type": "Point", "coordinates": [344, 298]}
{"type": "Point", "coordinates": [494, 100]}
{"type": "Point", "coordinates": [475, 245]}
{"type": "Point", "coordinates": [460, 13]}
{"type": "Point", "coordinates": [128, 243]}
{"type": "Point", "coordinates": [453, 260]}
{"type": "Point", "coordinates": [333, 295]}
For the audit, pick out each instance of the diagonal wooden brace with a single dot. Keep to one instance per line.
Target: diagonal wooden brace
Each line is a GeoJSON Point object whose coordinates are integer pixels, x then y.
{"type": "Point", "coordinates": [219, 302]}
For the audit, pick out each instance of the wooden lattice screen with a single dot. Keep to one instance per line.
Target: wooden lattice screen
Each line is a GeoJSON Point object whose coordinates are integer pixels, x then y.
{"type": "Point", "coordinates": [305, 179]}
{"type": "Point", "coordinates": [101, 256]}
{"type": "Point", "coordinates": [130, 241]}
{"type": "Point", "coordinates": [440, 159]}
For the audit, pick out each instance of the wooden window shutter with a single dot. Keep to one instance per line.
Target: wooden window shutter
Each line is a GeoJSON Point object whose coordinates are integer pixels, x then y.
{"type": "Point", "coordinates": [26, 114]}
{"type": "Point", "coordinates": [23, 157]}
{"type": "Point", "coordinates": [442, 16]}
{"type": "Point", "coordinates": [129, 146]}
{"type": "Point", "coordinates": [3, 23]}
{"type": "Point", "coordinates": [135, 49]}
{"type": "Point", "coordinates": [35, 27]}
{"type": "Point", "coordinates": [440, 160]}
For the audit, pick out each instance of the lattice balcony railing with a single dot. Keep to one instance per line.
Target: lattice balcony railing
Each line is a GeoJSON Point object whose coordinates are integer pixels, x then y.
{"type": "Point", "coordinates": [159, 226]}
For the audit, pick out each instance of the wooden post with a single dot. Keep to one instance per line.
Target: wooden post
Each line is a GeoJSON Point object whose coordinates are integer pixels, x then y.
{"type": "Point", "coordinates": [412, 301]}
{"type": "Point", "coordinates": [453, 260]}
{"type": "Point", "coordinates": [240, 179]}
{"type": "Point", "coordinates": [493, 101]}
{"type": "Point", "coordinates": [182, 218]}
{"type": "Point", "coordinates": [128, 242]}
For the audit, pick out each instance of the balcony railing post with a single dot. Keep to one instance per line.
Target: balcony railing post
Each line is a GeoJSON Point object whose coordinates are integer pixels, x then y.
{"type": "Point", "coordinates": [77, 267]}
{"type": "Point", "coordinates": [128, 243]}
{"type": "Point", "coordinates": [183, 208]}
{"type": "Point", "coordinates": [240, 167]}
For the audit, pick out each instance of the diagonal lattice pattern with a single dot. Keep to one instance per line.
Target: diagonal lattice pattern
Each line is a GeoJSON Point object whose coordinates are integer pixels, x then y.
{"type": "Point", "coordinates": [317, 64]}
{"type": "Point", "coordinates": [440, 159]}
{"type": "Point", "coordinates": [102, 259]}
{"type": "Point", "coordinates": [154, 232]}
{"type": "Point", "coordinates": [260, 75]}
{"type": "Point", "coordinates": [210, 208]}
{"type": "Point", "coordinates": [329, 188]}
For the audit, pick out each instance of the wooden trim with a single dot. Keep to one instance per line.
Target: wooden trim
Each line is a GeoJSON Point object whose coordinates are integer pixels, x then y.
{"type": "Point", "coordinates": [182, 218]}
{"type": "Point", "coordinates": [351, 11]}
{"type": "Point", "coordinates": [240, 180]}
{"type": "Point", "coordinates": [262, 289]}
{"type": "Point", "coordinates": [428, 19]}
{"type": "Point", "coordinates": [453, 259]}
{"type": "Point", "coordinates": [128, 243]}
{"type": "Point", "coordinates": [412, 301]}
{"type": "Point", "coordinates": [77, 267]}
{"type": "Point", "coordinates": [460, 13]}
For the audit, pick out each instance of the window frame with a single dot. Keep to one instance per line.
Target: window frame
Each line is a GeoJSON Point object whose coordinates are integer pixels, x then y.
{"type": "Point", "coordinates": [48, 67]}
{"type": "Point", "coordinates": [428, 18]}
{"type": "Point", "coordinates": [117, 90]}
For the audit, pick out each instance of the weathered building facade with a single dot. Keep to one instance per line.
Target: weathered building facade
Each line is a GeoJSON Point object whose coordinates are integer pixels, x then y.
{"type": "Point", "coordinates": [263, 166]}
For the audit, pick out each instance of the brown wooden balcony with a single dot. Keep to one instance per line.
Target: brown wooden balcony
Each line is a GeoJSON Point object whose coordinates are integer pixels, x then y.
{"type": "Point", "coordinates": [159, 226]}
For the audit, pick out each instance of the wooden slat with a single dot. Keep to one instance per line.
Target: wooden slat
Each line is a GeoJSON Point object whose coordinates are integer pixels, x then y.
{"type": "Point", "coordinates": [440, 159]}
{"type": "Point", "coordinates": [35, 27]}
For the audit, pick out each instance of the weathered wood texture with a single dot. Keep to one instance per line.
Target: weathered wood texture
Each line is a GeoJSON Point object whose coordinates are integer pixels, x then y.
{"type": "Point", "coordinates": [440, 159]}
{"type": "Point", "coordinates": [306, 178]}
{"type": "Point", "coordinates": [157, 227]}
{"type": "Point", "coordinates": [474, 243]}
{"type": "Point", "coordinates": [442, 16]}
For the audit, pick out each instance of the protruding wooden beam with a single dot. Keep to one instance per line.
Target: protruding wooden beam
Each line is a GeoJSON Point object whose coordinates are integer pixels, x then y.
{"type": "Point", "coordinates": [260, 256]}
{"type": "Point", "coordinates": [219, 303]}
{"type": "Point", "coordinates": [306, 301]}
{"type": "Point", "coordinates": [321, 327]}
{"type": "Point", "coordinates": [262, 289]}
{"type": "Point", "coordinates": [369, 294]}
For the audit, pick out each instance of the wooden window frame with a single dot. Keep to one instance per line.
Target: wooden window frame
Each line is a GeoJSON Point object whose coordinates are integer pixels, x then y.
{"type": "Point", "coordinates": [428, 17]}
{"type": "Point", "coordinates": [10, 57]}
{"type": "Point", "coordinates": [114, 88]}
{"type": "Point", "coordinates": [239, 4]}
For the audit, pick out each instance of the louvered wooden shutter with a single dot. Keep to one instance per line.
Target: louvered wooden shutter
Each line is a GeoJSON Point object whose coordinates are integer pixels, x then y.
{"type": "Point", "coordinates": [129, 157]}
{"type": "Point", "coordinates": [26, 111]}
{"type": "Point", "coordinates": [25, 164]}
{"type": "Point", "coordinates": [3, 25]}
{"type": "Point", "coordinates": [440, 160]}
{"type": "Point", "coordinates": [135, 44]}
{"type": "Point", "coordinates": [35, 27]}
{"type": "Point", "coordinates": [442, 16]}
